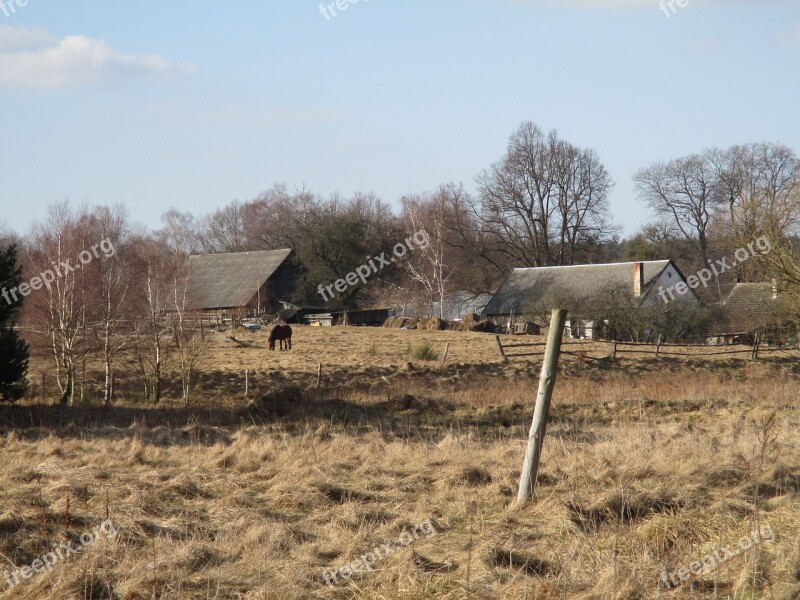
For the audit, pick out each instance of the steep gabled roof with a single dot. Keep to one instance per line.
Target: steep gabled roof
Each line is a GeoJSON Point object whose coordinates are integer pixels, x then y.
{"type": "Point", "coordinates": [749, 307]}
{"type": "Point", "coordinates": [531, 289]}
{"type": "Point", "coordinates": [230, 280]}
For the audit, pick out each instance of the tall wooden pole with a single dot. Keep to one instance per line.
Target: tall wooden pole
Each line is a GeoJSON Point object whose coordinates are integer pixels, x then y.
{"type": "Point", "coordinates": [547, 381]}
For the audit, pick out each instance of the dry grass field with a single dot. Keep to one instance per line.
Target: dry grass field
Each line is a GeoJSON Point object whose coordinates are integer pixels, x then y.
{"type": "Point", "coordinates": [649, 465]}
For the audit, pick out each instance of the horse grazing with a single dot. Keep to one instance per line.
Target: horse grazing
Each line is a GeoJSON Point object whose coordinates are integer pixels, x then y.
{"type": "Point", "coordinates": [281, 333]}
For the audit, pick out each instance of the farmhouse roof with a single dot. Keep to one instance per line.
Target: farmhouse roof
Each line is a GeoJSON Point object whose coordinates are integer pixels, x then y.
{"type": "Point", "coordinates": [749, 307]}
{"type": "Point", "coordinates": [531, 289]}
{"type": "Point", "coordinates": [230, 280]}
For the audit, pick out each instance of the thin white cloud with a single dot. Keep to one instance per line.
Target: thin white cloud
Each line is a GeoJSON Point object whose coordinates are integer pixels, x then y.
{"type": "Point", "coordinates": [34, 59]}
{"type": "Point", "coordinates": [790, 38]}
{"type": "Point", "coordinates": [183, 113]}
{"type": "Point", "coordinates": [711, 45]}
{"type": "Point", "coordinates": [595, 4]}
{"type": "Point", "coordinates": [22, 38]}
{"type": "Point", "coordinates": [265, 117]}
{"type": "Point", "coordinates": [625, 4]}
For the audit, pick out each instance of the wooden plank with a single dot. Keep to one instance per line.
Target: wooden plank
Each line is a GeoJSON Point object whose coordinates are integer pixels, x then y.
{"type": "Point", "coordinates": [547, 381]}
{"type": "Point", "coordinates": [693, 354]}
{"type": "Point", "coordinates": [500, 345]}
{"type": "Point", "coordinates": [506, 346]}
{"type": "Point", "coordinates": [582, 355]}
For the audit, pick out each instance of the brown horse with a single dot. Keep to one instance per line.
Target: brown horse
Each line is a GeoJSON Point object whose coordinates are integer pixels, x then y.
{"type": "Point", "coordinates": [281, 333]}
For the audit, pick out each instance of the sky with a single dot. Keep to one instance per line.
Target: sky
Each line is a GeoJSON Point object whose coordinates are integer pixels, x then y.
{"type": "Point", "coordinates": [190, 104]}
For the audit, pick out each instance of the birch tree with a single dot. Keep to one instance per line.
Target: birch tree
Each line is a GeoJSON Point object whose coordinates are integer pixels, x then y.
{"type": "Point", "coordinates": [428, 265]}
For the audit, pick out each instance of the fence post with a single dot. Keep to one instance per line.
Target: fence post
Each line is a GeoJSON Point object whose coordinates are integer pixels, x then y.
{"type": "Point", "coordinates": [319, 374]}
{"type": "Point", "coordinates": [444, 354]}
{"type": "Point", "coordinates": [500, 345]}
{"type": "Point", "coordinates": [756, 342]}
{"type": "Point", "coordinates": [41, 391]}
{"type": "Point", "coordinates": [547, 381]}
{"type": "Point", "coordinates": [246, 382]}
{"type": "Point", "coordinates": [614, 350]}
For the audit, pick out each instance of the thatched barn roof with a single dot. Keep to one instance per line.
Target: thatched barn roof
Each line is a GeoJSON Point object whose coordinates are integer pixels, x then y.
{"type": "Point", "coordinates": [230, 280]}
{"type": "Point", "coordinates": [570, 286]}
{"type": "Point", "coordinates": [751, 307]}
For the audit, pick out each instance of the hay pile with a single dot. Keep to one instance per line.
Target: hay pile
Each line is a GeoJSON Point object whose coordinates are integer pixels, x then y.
{"type": "Point", "coordinates": [399, 323]}
{"type": "Point", "coordinates": [432, 324]}
{"type": "Point", "coordinates": [472, 322]}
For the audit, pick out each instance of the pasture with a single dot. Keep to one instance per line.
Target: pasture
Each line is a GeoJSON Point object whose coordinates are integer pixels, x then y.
{"type": "Point", "coordinates": [649, 465]}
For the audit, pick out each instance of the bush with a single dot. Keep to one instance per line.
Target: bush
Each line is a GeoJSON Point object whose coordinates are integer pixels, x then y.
{"type": "Point", "coordinates": [424, 352]}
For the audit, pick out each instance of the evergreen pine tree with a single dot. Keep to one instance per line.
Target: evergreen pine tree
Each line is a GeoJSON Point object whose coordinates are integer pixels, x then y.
{"type": "Point", "coordinates": [13, 349]}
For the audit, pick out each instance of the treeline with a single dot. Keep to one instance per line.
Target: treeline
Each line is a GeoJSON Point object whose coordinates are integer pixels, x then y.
{"type": "Point", "coordinates": [544, 202]}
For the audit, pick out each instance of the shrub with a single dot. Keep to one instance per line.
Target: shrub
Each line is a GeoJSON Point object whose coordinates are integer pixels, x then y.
{"type": "Point", "coordinates": [424, 352]}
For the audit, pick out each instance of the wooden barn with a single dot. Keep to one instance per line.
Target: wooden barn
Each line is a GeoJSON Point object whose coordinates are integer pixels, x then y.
{"type": "Point", "coordinates": [374, 317]}
{"type": "Point", "coordinates": [240, 284]}
{"type": "Point", "coordinates": [529, 294]}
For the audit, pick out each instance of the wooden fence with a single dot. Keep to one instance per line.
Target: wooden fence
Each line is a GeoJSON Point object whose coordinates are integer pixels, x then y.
{"type": "Point", "coordinates": [657, 349]}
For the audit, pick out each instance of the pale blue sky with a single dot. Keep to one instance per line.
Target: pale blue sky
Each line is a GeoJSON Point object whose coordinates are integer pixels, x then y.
{"type": "Point", "coordinates": [191, 104]}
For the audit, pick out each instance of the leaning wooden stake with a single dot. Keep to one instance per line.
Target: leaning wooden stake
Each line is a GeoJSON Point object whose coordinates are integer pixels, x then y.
{"type": "Point", "coordinates": [444, 354]}
{"type": "Point", "coordinates": [319, 374]}
{"type": "Point", "coordinates": [756, 342]}
{"type": "Point", "coordinates": [246, 382]}
{"type": "Point", "coordinates": [500, 345]}
{"type": "Point", "coordinates": [547, 381]}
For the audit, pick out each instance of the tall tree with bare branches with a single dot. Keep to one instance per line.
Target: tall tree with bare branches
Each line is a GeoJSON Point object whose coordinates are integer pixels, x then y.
{"type": "Point", "coordinates": [542, 202]}
{"type": "Point", "coordinates": [682, 190]}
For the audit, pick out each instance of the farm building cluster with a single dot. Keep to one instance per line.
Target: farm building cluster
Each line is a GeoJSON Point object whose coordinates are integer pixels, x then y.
{"type": "Point", "coordinates": [246, 288]}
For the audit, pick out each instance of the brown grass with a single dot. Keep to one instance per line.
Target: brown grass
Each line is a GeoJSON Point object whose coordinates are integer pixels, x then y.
{"type": "Point", "coordinates": [648, 465]}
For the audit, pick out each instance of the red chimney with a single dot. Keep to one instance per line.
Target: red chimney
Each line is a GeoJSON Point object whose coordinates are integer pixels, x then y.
{"type": "Point", "coordinates": [638, 278]}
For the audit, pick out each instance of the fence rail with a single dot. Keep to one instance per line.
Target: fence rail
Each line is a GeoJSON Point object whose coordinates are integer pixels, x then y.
{"type": "Point", "coordinates": [657, 349]}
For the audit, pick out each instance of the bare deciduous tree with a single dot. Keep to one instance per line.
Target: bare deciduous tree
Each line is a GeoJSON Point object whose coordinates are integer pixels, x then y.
{"type": "Point", "coordinates": [542, 201]}
{"type": "Point", "coordinates": [153, 268]}
{"type": "Point", "coordinates": [683, 191]}
{"type": "Point", "coordinates": [113, 279]}
{"type": "Point", "coordinates": [759, 188]}
{"type": "Point", "coordinates": [182, 239]}
{"type": "Point", "coordinates": [57, 310]}
{"type": "Point", "coordinates": [429, 265]}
